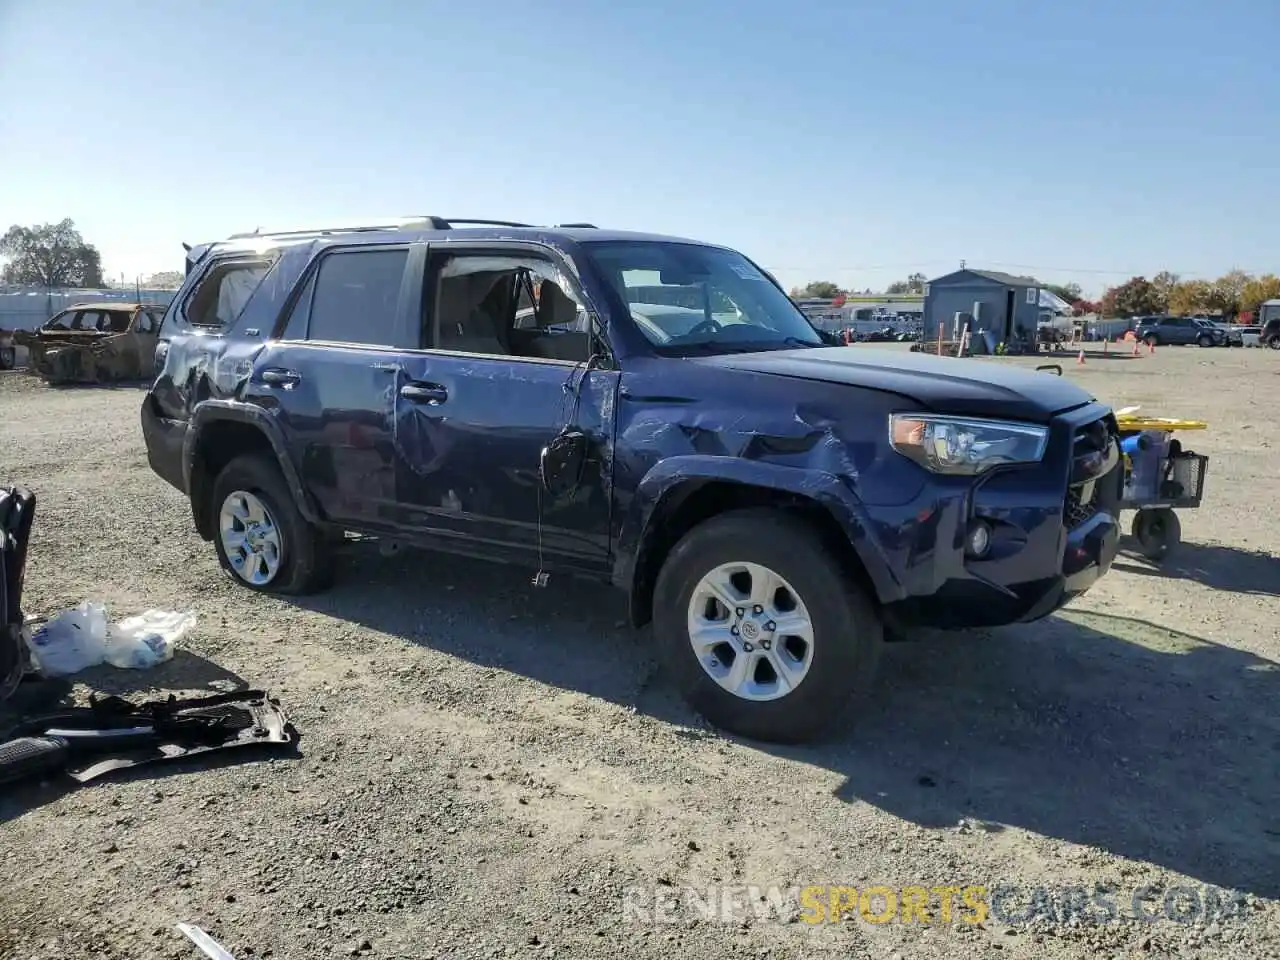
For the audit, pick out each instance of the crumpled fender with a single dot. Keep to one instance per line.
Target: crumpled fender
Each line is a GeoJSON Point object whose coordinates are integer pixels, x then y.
{"type": "Point", "coordinates": [212, 411]}
{"type": "Point", "coordinates": [827, 489]}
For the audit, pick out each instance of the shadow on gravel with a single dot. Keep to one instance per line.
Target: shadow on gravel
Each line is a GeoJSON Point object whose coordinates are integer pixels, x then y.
{"type": "Point", "coordinates": [1098, 730]}
{"type": "Point", "coordinates": [1214, 565]}
{"type": "Point", "coordinates": [187, 674]}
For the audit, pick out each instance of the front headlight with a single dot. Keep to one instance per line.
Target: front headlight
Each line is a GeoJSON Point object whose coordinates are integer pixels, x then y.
{"type": "Point", "coordinates": [954, 445]}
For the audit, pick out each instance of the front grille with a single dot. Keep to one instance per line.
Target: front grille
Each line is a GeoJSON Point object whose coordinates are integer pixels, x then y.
{"type": "Point", "coordinates": [1076, 511]}
{"type": "Point", "coordinates": [1086, 499]}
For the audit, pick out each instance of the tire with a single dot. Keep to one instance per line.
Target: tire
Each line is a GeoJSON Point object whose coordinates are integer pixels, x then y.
{"type": "Point", "coordinates": [1274, 342]}
{"type": "Point", "coordinates": [1157, 531]}
{"type": "Point", "coordinates": [301, 554]}
{"type": "Point", "coordinates": [8, 358]}
{"type": "Point", "coordinates": [1152, 340]}
{"type": "Point", "coordinates": [846, 636]}
{"type": "Point", "coordinates": [1205, 341]}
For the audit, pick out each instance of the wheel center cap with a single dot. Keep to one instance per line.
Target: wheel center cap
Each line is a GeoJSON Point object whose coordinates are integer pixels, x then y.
{"type": "Point", "coordinates": [750, 630]}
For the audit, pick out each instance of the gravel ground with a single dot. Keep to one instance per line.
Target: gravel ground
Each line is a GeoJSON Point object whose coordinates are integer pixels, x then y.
{"type": "Point", "coordinates": [486, 771]}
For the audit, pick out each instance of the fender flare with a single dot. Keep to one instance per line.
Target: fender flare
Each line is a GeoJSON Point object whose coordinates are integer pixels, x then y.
{"type": "Point", "coordinates": [213, 411]}
{"type": "Point", "coordinates": [666, 478]}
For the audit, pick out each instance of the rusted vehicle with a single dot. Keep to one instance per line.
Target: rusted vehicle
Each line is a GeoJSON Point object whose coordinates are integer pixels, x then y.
{"type": "Point", "coordinates": [95, 343]}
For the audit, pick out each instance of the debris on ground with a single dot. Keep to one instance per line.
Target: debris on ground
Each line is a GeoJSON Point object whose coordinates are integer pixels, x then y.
{"type": "Point", "coordinates": [85, 637]}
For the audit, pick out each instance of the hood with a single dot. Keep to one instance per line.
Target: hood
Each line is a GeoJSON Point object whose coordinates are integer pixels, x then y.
{"type": "Point", "coordinates": [971, 388]}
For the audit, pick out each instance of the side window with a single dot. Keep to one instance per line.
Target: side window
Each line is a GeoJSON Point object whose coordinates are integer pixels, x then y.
{"type": "Point", "coordinates": [64, 321]}
{"type": "Point", "coordinates": [117, 321]}
{"type": "Point", "coordinates": [91, 320]}
{"type": "Point", "coordinates": [356, 297]}
{"type": "Point", "coordinates": [146, 322]}
{"type": "Point", "coordinates": [516, 306]}
{"type": "Point", "coordinates": [219, 298]}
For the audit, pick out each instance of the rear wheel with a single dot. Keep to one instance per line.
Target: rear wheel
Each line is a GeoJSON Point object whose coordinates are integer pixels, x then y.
{"type": "Point", "coordinates": [1274, 342]}
{"type": "Point", "coordinates": [762, 629]}
{"type": "Point", "coordinates": [262, 539]}
{"type": "Point", "coordinates": [1157, 531]}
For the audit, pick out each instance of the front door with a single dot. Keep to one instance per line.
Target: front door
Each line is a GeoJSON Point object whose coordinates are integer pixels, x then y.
{"type": "Point", "coordinates": [503, 372]}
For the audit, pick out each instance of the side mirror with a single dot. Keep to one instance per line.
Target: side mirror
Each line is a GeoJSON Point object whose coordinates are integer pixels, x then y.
{"type": "Point", "coordinates": [562, 461]}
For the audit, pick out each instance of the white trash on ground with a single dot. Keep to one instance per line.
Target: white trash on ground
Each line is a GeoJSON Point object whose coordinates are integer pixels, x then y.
{"type": "Point", "coordinates": [84, 637]}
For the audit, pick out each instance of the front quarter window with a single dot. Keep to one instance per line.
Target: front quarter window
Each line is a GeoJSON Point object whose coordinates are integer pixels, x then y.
{"type": "Point", "coordinates": [691, 299]}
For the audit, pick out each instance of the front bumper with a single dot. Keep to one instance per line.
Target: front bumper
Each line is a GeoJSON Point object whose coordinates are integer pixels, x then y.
{"type": "Point", "coordinates": [1046, 549]}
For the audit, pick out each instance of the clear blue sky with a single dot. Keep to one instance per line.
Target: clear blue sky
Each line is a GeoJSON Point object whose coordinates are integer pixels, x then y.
{"type": "Point", "coordinates": [850, 141]}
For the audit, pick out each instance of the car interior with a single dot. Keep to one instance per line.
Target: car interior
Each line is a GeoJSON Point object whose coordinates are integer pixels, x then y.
{"type": "Point", "coordinates": [508, 312]}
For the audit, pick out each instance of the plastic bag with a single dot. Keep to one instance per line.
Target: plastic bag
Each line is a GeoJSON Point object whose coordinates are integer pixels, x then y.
{"type": "Point", "coordinates": [136, 643]}
{"type": "Point", "coordinates": [84, 637]}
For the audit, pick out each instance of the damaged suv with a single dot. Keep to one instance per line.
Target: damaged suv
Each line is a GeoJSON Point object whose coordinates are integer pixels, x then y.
{"type": "Point", "coordinates": [651, 411]}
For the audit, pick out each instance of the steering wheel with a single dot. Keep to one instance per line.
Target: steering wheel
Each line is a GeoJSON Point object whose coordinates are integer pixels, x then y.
{"type": "Point", "coordinates": [702, 326]}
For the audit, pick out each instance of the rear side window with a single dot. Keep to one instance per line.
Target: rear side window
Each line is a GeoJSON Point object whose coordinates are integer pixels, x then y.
{"type": "Point", "coordinates": [218, 299]}
{"type": "Point", "coordinates": [356, 297]}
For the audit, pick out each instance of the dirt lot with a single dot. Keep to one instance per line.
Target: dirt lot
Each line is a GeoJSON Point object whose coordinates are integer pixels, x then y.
{"type": "Point", "coordinates": [486, 771]}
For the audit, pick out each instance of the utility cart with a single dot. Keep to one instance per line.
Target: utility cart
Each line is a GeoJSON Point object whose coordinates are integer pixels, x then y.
{"type": "Point", "coordinates": [1160, 476]}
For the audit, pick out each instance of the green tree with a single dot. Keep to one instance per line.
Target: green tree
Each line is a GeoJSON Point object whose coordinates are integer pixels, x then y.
{"type": "Point", "coordinates": [1133, 298]}
{"type": "Point", "coordinates": [819, 289]}
{"type": "Point", "coordinates": [164, 280]}
{"type": "Point", "coordinates": [1162, 285]}
{"type": "Point", "coordinates": [1258, 290]}
{"type": "Point", "coordinates": [1190, 296]}
{"type": "Point", "coordinates": [1226, 292]}
{"type": "Point", "coordinates": [913, 284]}
{"type": "Point", "coordinates": [50, 255]}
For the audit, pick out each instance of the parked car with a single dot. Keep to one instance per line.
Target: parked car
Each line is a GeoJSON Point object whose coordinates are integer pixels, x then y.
{"type": "Point", "coordinates": [1251, 336]}
{"type": "Point", "coordinates": [94, 343]}
{"type": "Point", "coordinates": [1162, 331]}
{"type": "Point", "coordinates": [1269, 319]}
{"type": "Point", "coordinates": [772, 505]}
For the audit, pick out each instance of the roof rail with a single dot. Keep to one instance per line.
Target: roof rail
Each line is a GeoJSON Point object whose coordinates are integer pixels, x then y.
{"type": "Point", "coordinates": [480, 223]}
{"type": "Point", "coordinates": [394, 223]}
{"type": "Point", "coordinates": [578, 226]}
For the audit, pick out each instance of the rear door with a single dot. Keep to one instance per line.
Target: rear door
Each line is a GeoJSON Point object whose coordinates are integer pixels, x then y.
{"type": "Point", "coordinates": [331, 378]}
{"type": "Point", "coordinates": [502, 371]}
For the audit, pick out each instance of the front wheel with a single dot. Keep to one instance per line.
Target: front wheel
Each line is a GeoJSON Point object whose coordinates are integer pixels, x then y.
{"type": "Point", "coordinates": [1157, 531]}
{"type": "Point", "coordinates": [1152, 340]}
{"type": "Point", "coordinates": [762, 629]}
{"type": "Point", "coordinates": [1205, 341]}
{"type": "Point", "coordinates": [262, 539]}
{"type": "Point", "coordinates": [1274, 342]}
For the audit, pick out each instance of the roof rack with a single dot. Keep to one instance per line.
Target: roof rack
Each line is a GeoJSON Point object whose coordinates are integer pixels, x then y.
{"type": "Point", "coordinates": [393, 223]}
{"type": "Point", "coordinates": [447, 221]}
{"type": "Point", "coordinates": [578, 226]}
{"type": "Point", "coordinates": [398, 223]}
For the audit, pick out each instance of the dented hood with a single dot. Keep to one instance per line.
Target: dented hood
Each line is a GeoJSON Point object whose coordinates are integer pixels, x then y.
{"type": "Point", "coordinates": [973, 388]}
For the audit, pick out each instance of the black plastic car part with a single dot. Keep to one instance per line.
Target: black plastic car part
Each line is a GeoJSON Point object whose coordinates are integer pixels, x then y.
{"type": "Point", "coordinates": [17, 511]}
{"type": "Point", "coordinates": [113, 734]}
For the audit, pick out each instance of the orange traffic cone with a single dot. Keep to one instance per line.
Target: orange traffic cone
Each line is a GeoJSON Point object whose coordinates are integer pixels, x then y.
{"type": "Point", "coordinates": [1080, 359]}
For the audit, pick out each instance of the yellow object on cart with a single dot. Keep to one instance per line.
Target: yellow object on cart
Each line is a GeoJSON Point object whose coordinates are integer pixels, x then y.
{"type": "Point", "coordinates": [1132, 423]}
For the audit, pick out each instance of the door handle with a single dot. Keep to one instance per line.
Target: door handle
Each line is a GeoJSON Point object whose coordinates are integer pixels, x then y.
{"type": "Point", "coordinates": [280, 377]}
{"type": "Point", "coordinates": [431, 393]}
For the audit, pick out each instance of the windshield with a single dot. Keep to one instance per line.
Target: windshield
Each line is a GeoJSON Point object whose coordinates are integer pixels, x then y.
{"type": "Point", "coordinates": [692, 299]}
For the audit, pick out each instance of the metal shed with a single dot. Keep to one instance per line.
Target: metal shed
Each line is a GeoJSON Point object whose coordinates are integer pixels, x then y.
{"type": "Point", "coordinates": [990, 300]}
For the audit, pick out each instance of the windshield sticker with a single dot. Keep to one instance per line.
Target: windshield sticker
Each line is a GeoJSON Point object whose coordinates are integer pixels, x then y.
{"type": "Point", "coordinates": [745, 270]}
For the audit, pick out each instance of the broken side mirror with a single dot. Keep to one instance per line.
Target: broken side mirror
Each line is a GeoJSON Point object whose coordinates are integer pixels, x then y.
{"type": "Point", "coordinates": [561, 464]}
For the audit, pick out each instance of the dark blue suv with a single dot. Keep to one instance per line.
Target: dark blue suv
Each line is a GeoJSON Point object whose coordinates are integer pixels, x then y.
{"type": "Point", "coordinates": [651, 411]}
